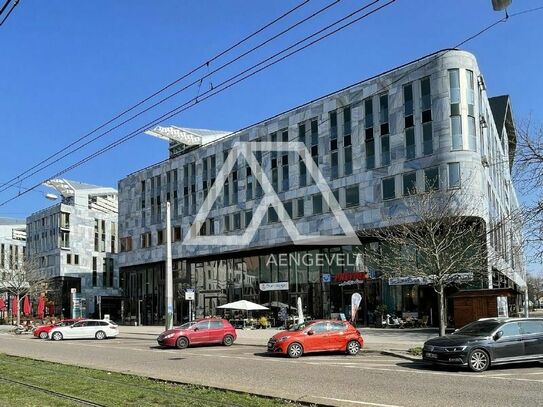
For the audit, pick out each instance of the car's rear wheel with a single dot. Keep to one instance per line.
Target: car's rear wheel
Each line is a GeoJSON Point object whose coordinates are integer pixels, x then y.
{"type": "Point", "coordinates": [100, 335]}
{"type": "Point", "coordinates": [228, 340]}
{"type": "Point", "coordinates": [57, 336]}
{"type": "Point", "coordinates": [182, 343]}
{"type": "Point", "coordinates": [478, 360]}
{"type": "Point", "coordinates": [295, 350]}
{"type": "Point", "coordinates": [43, 335]}
{"type": "Point", "coordinates": [353, 347]}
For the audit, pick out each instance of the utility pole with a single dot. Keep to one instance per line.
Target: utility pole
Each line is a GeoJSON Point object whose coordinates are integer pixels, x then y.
{"type": "Point", "coordinates": [169, 273]}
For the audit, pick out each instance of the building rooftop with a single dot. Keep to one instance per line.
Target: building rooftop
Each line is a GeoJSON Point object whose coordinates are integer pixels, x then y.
{"type": "Point", "coordinates": [68, 188]}
{"type": "Point", "coordinates": [12, 221]}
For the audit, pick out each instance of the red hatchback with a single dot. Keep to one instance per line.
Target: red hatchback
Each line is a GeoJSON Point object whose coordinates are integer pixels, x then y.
{"type": "Point", "coordinates": [43, 331]}
{"type": "Point", "coordinates": [317, 336]}
{"type": "Point", "coordinates": [200, 332]}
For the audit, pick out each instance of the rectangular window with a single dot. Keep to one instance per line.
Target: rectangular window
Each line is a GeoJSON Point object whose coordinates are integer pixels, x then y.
{"type": "Point", "coordinates": [317, 204]}
{"type": "Point", "coordinates": [348, 152]}
{"type": "Point", "coordinates": [383, 109]}
{"type": "Point", "coordinates": [347, 120]}
{"type": "Point", "coordinates": [408, 99]}
{"type": "Point", "coordinates": [431, 179]}
{"type": "Point", "coordinates": [333, 125]}
{"type": "Point", "coordinates": [68, 259]}
{"type": "Point", "coordinates": [288, 208]}
{"type": "Point", "coordinates": [370, 153]}
{"type": "Point", "coordinates": [389, 188]}
{"type": "Point", "coordinates": [352, 196]}
{"type": "Point", "coordinates": [385, 150]}
{"type": "Point", "coordinates": [227, 223]}
{"type": "Point", "coordinates": [410, 183]}
{"type": "Point", "coordinates": [368, 107]}
{"type": "Point", "coordinates": [237, 221]}
{"type": "Point", "coordinates": [334, 165]}
{"type": "Point", "coordinates": [303, 174]}
{"type": "Point", "coordinates": [410, 148]}
{"type": "Point", "coordinates": [426, 95]}
{"type": "Point", "coordinates": [176, 233]}
{"type": "Point", "coordinates": [470, 92]}
{"type": "Point", "coordinates": [454, 84]}
{"type": "Point", "coordinates": [94, 271]}
{"type": "Point", "coordinates": [427, 139]}
{"type": "Point", "coordinates": [456, 132]}
{"type": "Point", "coordinates": [300, 208]}
{"type": "Point", "coordinates": [454, 175]}
{"type": "Point", "coordinates": [472, 136]}
{"type": "Point", "coordinates": [248, 218]}
{"type": "Point", "coordinates": [249, 182]}
{"type": "Point", "coordinates": [272, 215]}
{"type": "Point", "coordinates": [76, 259]}
{"type": "Point", "coordinates": [160, 237]}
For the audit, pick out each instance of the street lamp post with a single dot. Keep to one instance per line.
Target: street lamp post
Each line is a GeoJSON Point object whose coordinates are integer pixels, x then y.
{"type": "Point", "coordinates": [169, 273]}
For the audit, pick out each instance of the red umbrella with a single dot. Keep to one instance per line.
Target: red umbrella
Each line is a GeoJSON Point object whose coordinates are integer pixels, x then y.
{"type": "Point", "coordinates": [41, 307]}
{"type": "Point", "coordinates": [26, 306]}
{"type": "Point", "coordinates": [2, 304]}
{"type": "Point", "coordinates": [14, 306]}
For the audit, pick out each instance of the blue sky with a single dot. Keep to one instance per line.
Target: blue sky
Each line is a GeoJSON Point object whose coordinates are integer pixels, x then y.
{"type": "Point", "coordinates": [67, 67]}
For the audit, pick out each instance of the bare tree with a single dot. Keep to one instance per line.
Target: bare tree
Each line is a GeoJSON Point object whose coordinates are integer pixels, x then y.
{"type": "Point", "coordinates": [20, 278]}
{"type": "Point", "coordinates": [535, 288]}
{"type": "Point", "coordinates": [437, 239]}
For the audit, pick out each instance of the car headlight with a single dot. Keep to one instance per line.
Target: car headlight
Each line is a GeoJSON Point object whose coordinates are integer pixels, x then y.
{"type": "Point", "coordinates": [456, 348]}
{"type": "Point", "coordinates": [281, 339]}
{"type": "Point", "coordinates": [169, 336]}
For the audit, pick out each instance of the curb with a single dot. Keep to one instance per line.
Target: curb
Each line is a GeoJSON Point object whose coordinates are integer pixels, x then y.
{"type": "Point", "coordinates": [400, 355]}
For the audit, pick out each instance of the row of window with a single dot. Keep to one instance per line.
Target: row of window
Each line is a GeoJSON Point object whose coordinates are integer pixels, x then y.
{"type": "Point", "coordinates": [409, 184]}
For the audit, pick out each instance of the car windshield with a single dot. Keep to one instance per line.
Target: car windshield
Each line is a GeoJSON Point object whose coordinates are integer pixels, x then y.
{"type": "Point", "coordinates": [478, 328]}
{"type": "Point", "coordinates": [186, 325]}
{"type": "Point", "coordinates": [299, 327]}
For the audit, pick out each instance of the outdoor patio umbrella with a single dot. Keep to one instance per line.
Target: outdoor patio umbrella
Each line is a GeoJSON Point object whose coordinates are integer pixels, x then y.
{"type": "Point", "coordinates": [2, 304]}
{"type": "Point", "coordinates": [14, 306]}
{"type": "Point", "coordinates": [300, 311]}
{"type": "Point", "coordinates": [41, 307]}
{"type": "Point", "coordinates": [244, 305]}
{"type": "Point", "coordinates": [26, 306]}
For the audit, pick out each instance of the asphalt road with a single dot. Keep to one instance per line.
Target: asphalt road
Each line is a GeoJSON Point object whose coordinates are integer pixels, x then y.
{"type": "Point", "coordinates": [369, 379]}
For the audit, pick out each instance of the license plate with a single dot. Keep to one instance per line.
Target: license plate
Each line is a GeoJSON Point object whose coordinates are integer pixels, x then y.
{"type": "Point", "coordinates": [431, 355]}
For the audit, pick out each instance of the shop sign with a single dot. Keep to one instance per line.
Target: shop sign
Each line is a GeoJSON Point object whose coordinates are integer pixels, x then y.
{"type": "Point", "coordinates": [341, 277]}
{"type": "Point", "coordinates": [189, 294]}
{"type": "Point", "coordinates": [283, 285]}
{"type": "Point", "coordinates": [326, 278]}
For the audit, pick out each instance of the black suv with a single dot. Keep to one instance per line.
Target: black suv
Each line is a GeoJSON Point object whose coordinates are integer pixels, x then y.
{"type": "Point", "coordinates": [488, 341]}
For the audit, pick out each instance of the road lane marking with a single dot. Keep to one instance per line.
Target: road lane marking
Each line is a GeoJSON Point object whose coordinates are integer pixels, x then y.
{"type": "Point", "coordinates": [364, 403]}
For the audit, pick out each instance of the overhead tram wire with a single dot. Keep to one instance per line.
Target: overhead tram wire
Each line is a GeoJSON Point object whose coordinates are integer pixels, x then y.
{"type": "Point", "coordinates": [173, 112]}
{"type": "Point", "coordinates": [15, 2]}
{"type": "Point", "coordinates": [198, 81]}
{"type": "Point", "coordinates": [6, 4]}
{"type": "Point", "coordinates": [161, 90]}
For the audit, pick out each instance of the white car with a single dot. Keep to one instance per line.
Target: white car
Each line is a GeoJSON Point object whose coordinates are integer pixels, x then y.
{"type": "Point", "coordinates": [86, 329]}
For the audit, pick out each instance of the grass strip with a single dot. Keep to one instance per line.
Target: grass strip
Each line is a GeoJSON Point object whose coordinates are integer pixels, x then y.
{"type": "Point", "coordinates": [109, 388]}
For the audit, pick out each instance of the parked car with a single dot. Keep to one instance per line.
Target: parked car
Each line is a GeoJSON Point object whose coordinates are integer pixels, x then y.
{"type": "Point", "coordinates": [42, 331]}
{"type": "Point", "coordinates": [317, 336]}
{"type": "Point", "coordinates": [203, 331]}
{"type": "Point", "coordinates": [488, 341]}
{"type": "Point", "coordinates": [86, 329]}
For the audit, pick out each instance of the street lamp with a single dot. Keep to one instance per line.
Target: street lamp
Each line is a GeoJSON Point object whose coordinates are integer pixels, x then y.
{"type": "Point", "coordinates": [499, 5]}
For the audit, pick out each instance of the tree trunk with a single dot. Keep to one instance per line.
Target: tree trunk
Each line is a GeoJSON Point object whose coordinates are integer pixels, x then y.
{"type": "Point", "coordinates": [442, 312]}
{"type": "Point", "coordinates": [18, 310]}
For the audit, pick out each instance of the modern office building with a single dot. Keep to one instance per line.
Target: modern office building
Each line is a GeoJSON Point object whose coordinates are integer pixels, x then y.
{"type": "Point", "coordinates": [12, 251]}
{"type": "Point", "coordinates": [74, 242]}
{"type": "Point", "coordinates": [426, 124]}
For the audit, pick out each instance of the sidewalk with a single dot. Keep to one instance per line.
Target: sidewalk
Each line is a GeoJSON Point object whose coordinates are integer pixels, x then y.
{"type": "Point", "coordinates": [375, 339]}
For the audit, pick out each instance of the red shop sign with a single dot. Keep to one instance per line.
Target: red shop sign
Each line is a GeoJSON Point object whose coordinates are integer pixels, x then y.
{"type": "Point", "coordinates": [350, 276]}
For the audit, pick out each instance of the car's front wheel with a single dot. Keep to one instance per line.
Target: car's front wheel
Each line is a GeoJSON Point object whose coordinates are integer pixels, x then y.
{"type": "Point", "coordinates": [228, 340]}
{"type": "Point", "coordinates": [295, 350]}
{"type": "Point", "coordinates": [478, 360]}
{"type": "Point", "coordinates": [182, 343]}
{"type": "Point", "coordinates": [57, 336]}
{"type": "Point", "coordinates": [353, 347]}
{"type": "Point", "coordinates": [100, 335]}
{"type": "Point", "coordinates": [43, 335]}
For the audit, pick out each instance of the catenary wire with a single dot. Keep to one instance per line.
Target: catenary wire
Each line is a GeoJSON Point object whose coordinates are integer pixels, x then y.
{"type": "Point", "coordinates": [161, 90]}
{"type": "Point", "coordinates": [11, 183]}
{"type": "Point", "coordinates": [15, 2]}
{"type": "Point", "coordinates": [194, 101]}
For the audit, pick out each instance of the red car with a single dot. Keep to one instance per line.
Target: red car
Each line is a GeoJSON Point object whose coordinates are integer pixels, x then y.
{"type": "Point", "coordinates": [43, 331]}
{"type": "Point", "coordinates": [200, 332]}
{"type": "Point", "coordinates": [317, 336]}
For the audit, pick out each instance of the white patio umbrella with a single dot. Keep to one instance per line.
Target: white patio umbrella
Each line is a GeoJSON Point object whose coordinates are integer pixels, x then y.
{"type": "Point", "coordinates": [244, 305]}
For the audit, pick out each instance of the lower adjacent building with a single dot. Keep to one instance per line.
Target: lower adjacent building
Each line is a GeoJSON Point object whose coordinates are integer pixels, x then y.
{"type": "Point", "coordinates": [12, 252]}
{"type": "Point", "coordinates": [426, 124]}
{"type": "Point", "coordinates": [74, 242]}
